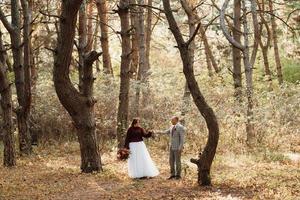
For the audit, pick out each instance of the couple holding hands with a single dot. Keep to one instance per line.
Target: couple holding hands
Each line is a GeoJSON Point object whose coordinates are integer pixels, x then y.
{"type": "Point", "coordinates": [140, 164]}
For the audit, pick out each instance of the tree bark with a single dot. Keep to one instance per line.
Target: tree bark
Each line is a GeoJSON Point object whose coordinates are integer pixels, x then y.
{"type": "Point", "coordinates": [134, 42]}
{"type": "Point", "coordinates": [22, 81]}
{"type": "Point", "coordinates": [82, 33]}
{"type": "Point", "coordinates": [102, 13]}
{"type": "Point", "coordinates": [248, 65]}
{"type": "Point", "coordinates": [193, 18]}
{"type": "Point", "coordinates": [265, 47]}
{"type": "Point", "coordinates": [205, 160]}
{"type": "Point", "coordinates": [236, 53]}
{"type": "Point", "coordinates": [275, 43]}
{"type": "Point", "coordinates": [90, 38]}
{"type": "Point", "coordinates": [148, 33]}
{"type": "Point", "coordinates": [9, 159]}
{"type": "Point", "coordinates": [208, 51]}
{"type": "Point", "coordinates": [143, 68]}
{"type": "Point", "coordinates": [188, 8]}
{"type": "Point", "coordinates": [122, 120]}
{"type": "Point", "coordinates": [249, 80]}
{"type": "Point", "coordinates": [81, 105]}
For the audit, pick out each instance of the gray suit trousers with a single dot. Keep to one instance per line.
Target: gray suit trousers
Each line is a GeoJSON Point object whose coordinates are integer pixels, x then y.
{"type": "Point", "coordinates": [175, 162]}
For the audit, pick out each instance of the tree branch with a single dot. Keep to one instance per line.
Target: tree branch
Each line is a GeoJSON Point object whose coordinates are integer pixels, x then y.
{"type": "Point", "coordinates": [224, 29]}
{"type": "Point", "coordinates": [6, 23]}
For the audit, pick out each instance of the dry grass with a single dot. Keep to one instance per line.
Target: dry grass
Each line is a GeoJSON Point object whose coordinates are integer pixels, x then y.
{"type": "Point", "coordinates": [53, 173]}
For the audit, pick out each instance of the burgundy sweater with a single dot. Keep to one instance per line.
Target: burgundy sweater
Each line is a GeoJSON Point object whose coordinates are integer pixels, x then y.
{"type": "Point", "coordinates": [135, 134]}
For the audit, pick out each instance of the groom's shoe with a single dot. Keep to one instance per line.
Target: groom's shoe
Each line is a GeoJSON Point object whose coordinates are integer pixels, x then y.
{"type": "Point", "coordinates": [177, 177]}
{"type": "Point", "coordinates": [171, 177]}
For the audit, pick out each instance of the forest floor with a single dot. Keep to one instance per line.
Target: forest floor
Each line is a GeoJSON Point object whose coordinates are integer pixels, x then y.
{"type": "Point", "coordinates": [53, 173]}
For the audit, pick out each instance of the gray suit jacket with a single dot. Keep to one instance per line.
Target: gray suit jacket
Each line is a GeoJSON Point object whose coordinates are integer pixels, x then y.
{"type": "Point", "coordinates": [177, 138]}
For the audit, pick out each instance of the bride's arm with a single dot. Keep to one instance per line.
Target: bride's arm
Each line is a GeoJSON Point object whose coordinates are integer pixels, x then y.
{"type": "Point", "coordinates": [146, 134]}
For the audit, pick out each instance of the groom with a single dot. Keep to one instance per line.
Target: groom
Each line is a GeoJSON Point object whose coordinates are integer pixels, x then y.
{"type": "Point", "coordinates": [176, 132]}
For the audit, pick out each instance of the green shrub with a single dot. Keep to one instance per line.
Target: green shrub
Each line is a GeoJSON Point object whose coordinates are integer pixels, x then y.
{"type": "Point", "coordinates": [291, 70]}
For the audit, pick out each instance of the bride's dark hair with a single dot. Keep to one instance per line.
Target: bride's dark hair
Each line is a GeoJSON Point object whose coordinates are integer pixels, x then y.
{"type": "Point", "coordinates": [134, 121]}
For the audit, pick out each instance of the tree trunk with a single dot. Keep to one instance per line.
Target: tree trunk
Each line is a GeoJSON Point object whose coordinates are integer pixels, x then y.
{"type": "Point", "coordinates": [266, 64]}
{"type": "Point", "coordinates": [9, 158]}
{"type": "Point", "coordinates": [142, 69]}
{"type": "Point", "coordinates": [90, 38]}
{"type": "Point", "coordinates": [248, 65]}
{"type": "Point", "coordinates": [193, 18]}
{"type": "Point", "coordinates": [102, 12]}
{"type": "Point", "coordinates": [236, 53]}
{"type": "Point", "coordinates": [82, 33]}
{"type": "Point", "coordinates": [22, 81]}
{"type": "Point", "coordinates": [134, 42]}
{"type": "Point", "coordinates": [27, 15]}
{"type": "Point", "coordinates": [122, 119]}
{"type": "Point", "coordinates": [148, 34]}
{"type": "Point", "coordinates": [265, 47]}
{"type": "Point", "coordinates": [208, 51]}
{"type": "Point", "coordinates": [275, 43]}
{"type": "Point", "coordinates": [205, 160]}
{"type": "Point", "coordinates": [81, 105]}
{"type": "Point", "coordinates": [249, 80]}
{"type": "Point", "coordinates": [95, 43]}
{"type": "Point", "coordinates": [188, 8]}
{"type": "Point", "coordinates": [209, 65]}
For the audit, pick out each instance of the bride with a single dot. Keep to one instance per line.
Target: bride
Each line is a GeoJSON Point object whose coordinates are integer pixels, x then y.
{"type": "Point", "coordinates": [140, 164]}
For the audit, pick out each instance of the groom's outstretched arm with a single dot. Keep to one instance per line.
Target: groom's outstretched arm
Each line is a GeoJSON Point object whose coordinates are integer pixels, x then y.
{"type": "Point", "coordinates": [162, 132]}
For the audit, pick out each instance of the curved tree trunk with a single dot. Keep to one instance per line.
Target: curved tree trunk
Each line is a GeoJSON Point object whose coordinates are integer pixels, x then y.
{"type": "Point", "coordinates": [9, 158]}
{"type": "Point", "coordinates": [102, 12]}
{"type": "Point", "coordinates": [81, 105]}
{"type": "Point", "coordinates": [122, 120]}
{"type": "Point", "coordinates": [206, 158]}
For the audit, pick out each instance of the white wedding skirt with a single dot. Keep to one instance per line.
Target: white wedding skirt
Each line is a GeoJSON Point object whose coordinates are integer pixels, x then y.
{"type": "Point", "coordinates": [140, 163]}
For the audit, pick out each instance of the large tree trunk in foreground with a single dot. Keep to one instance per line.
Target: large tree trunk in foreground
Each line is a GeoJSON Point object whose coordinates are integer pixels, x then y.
{"type": "Point", "coordinates": [122, 120]}
{"type": "Point", "coordinates": [9, 158]}
{"type": "Point", "coordinates": [81, 105]}
{"type": "Point", "coordinates": [22, 81]}
{"type": "Point", "coordinates": [206, 158]}
{"type": "Point", "coordinates": [102, 13]}
{"type": "Point", "coordinates": [275, 43]}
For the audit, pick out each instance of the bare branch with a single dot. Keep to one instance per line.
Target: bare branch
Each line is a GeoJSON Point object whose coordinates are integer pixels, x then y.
{"type": "Point", "coordinates": [5, 22]}
{"type": "Point", "coordinates": [224, 29]}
